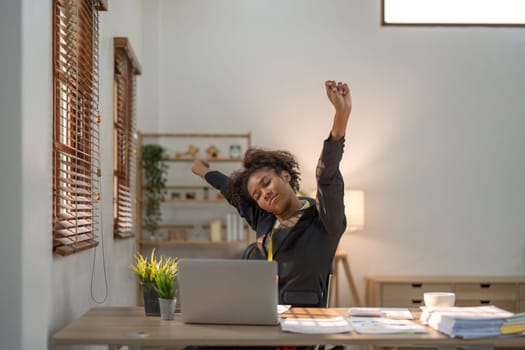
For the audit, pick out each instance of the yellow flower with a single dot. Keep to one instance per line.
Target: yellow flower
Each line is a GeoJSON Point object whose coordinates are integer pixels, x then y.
{"type": "Point", "coordinates": [147, 271]}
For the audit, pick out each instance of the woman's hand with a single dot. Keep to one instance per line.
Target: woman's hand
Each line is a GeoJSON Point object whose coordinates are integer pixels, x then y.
{"type": "Point", "coordinates": [339, 95]}
{"type": "Point", "coordinates": [200, 167]}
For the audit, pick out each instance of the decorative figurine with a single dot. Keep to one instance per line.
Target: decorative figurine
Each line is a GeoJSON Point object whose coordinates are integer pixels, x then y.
{"type": "Point", "coordinates": [177, 234]}
{"type": "Point", "coordinates": [235, 151]}
{"type": "Point", "coordinates": [191, 152]}
{"type": "Point", "coordinates": [212, 152]}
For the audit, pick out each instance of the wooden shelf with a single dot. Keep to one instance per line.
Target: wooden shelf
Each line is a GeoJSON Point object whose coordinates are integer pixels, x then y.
{"type": "Point", "coordinates": [196, 135]}
{"type": "Point", "coordinates": [206, 204]}
{"type": "Point", "coordinates": [180, 187]}
{"type": "Point", "coordinates": [222, 160]}
{"type": "Point", "coordinates": [195, 200]}
{"type": "Point", "coordinates": [195, 242]}
{"type": "Point", "coordinates": [188, 226]}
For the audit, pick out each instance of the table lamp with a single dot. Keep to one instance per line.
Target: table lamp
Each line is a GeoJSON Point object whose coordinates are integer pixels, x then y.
{"type": "Point", "coordinates": [354, 210]}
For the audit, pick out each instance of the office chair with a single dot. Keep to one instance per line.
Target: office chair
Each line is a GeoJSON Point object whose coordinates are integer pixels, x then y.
{"type": "Point", "coordinates": [251, 252]}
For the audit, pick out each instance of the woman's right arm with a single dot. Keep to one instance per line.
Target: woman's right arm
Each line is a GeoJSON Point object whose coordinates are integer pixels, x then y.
{"type": "Point", "coordinates": [213, 177]}
{"type": "Point", "coordinates": [340, 96]}
{"type": "Point", "coordinates": [219, 181]}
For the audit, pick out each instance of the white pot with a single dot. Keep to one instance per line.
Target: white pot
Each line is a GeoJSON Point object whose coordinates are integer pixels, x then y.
{"type": "Point", "coordinates": [167, 308]}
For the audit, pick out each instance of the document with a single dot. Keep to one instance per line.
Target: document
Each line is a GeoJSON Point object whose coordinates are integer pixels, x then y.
{"type": "Point", "coordinates": [466, 322]}
{"type": "Point", "coordinates": [387, 312]}
{"type": "Point", "coordinates": [380, 325]}
{"type": "Point", "coordinates": [514, 324]}
{"type": "Point", "coordinates": [316, 325]}
{"type": "Point", "coordinates": [281, 309]}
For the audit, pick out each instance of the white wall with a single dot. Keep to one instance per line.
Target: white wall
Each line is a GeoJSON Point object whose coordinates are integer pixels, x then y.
{"type": "Point", "coordinates": [41, 293]}
{"type": "Point", "coordinates": [11, 184]}
{"type": "Point", "coordinates": [435, 133]}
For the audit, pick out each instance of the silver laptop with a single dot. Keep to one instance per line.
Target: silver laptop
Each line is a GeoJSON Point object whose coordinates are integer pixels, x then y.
{"type": "Point", "coordinates": [224, 291]}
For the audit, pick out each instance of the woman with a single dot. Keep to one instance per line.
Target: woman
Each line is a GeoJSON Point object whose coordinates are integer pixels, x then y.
{"type": "Point", "coordinates": [300, 233]}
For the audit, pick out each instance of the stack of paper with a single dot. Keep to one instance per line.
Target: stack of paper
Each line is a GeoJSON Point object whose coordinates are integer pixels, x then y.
{"type": "Point", "coordinates": [514, 324]}
{"type": "Point", "coordinates": [466, 322]}
{"type": "Point", "coordinates": [316, 325]}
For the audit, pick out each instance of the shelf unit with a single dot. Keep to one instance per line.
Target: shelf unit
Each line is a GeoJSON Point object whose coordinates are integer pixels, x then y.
{"type": "Point", "coordinates": [191, 204]}
{"type": "Point", "coordinates": [185, 191]}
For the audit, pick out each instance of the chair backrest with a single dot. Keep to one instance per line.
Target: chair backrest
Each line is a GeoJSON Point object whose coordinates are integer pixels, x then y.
{"type": "Point", "coordinates": [326, 295]}
{"type": "Point", "coordinates": [251, 252]}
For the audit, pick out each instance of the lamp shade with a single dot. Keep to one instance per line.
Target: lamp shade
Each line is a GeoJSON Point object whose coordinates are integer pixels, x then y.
{"type": "Point", "coordinates": [354, 210]}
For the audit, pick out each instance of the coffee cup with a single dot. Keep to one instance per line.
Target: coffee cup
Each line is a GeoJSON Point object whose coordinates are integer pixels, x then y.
{"type": "Point", "coordinates": [439, 299]}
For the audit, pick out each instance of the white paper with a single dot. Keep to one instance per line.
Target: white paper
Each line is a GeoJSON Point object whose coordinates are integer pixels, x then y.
{"type": "Point", "coordinates": [466, 322]}
{"type": "Point", "coordinates": [316, 325]}
{"type": "Point", "coordinates": [283, 308]}
{"type": "Point", "coordinates": [387, 312]}
{"type": "Point", "coordinates": [379, 325]}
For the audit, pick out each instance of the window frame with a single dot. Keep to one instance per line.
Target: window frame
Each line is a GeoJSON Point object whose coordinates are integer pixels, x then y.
{"type": "Point", "coordinates": [126, 68]}
{"type": "Point", "coordinates": [442, 24]}
{"type": "Point", "coordinates": [76, 162]}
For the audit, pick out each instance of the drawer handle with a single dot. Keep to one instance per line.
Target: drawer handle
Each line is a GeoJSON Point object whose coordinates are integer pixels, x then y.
{"type": "Point", "coordinates": [485, 285]}
{"type": "Point", "coordinates": [417, 285]}
{"type": "Point", "coordinates": [416, 301]}
{"type": "Point", "coordinates": [484, 302]}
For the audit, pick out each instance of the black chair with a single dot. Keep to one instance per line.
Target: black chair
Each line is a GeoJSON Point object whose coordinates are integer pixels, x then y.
{"type": "Point", "coordinates": [250, 252]}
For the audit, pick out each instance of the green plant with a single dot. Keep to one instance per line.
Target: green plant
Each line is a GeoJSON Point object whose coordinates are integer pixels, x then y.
{"type": "Point", "coordinates": [155, 171]}
{"type": "Point", "coordinates": [148, 270]}
{"type": "Point", "coordinates": [164, 284]}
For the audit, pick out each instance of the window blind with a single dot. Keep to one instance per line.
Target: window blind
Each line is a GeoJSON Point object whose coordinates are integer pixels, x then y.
{"type": "Point", "coordinates": [76, 158]}
{"type": "Point", "coordinates": [126, 68]}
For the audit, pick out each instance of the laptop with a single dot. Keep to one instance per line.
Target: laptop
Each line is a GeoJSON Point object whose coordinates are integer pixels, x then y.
{"type": "Point", "coordinates": [227, 291]}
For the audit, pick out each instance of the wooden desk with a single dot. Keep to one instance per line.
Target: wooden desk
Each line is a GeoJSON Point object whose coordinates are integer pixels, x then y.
{"type": "Point", "coordinates": [129, 326]}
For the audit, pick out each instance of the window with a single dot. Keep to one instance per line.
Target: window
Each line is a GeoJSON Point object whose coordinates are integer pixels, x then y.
{"type": "Point", "coordinates": [454, 12]}
{"type": "Point", "coordinates": [124, 150]}
{"type": "Point", "coordinates": [76, 168]}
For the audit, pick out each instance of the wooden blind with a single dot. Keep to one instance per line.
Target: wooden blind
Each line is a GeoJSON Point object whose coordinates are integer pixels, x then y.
{"type": "Point", "coordinates": [126, 68]}
{"type": "Point", "coordinates": [76, 158]}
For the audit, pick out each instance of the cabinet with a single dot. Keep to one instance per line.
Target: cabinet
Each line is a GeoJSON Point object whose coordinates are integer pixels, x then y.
{"type": "Point", "coordinates": [407, 291]}
{"type": "Point", "coordinates": [191, 209]}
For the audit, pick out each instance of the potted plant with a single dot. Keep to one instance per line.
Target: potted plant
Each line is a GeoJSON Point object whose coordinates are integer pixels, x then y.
{"type": "Point", "coordinates": [164, 287]}
{"type": "Point", "coordinates": [155, 172]}
{"type": "Point", "coordinates": [147, 271]}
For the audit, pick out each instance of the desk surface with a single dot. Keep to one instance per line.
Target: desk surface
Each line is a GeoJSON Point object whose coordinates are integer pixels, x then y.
{"type": "Point", "coordinates": [129, 326]}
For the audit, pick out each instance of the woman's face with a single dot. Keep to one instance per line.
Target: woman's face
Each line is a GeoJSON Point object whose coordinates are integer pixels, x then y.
{"type": "Point", "coordinates": [271, 191]}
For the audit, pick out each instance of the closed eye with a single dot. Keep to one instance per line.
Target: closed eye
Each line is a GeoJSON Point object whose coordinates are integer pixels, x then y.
{"type": "Point", "coordinates": [264, 182]}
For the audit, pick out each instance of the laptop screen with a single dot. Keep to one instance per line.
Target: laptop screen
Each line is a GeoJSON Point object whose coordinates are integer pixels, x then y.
{"type": "Point", "coordinates": [228, 291]}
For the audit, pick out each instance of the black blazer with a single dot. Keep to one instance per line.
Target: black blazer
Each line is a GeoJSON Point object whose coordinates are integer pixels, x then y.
{"type": "Point", "coordinates": [305, 256]}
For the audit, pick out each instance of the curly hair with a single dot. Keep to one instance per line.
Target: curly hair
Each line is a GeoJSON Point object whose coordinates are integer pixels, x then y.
{"type": "Point", "coordinates": [258, 158]}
